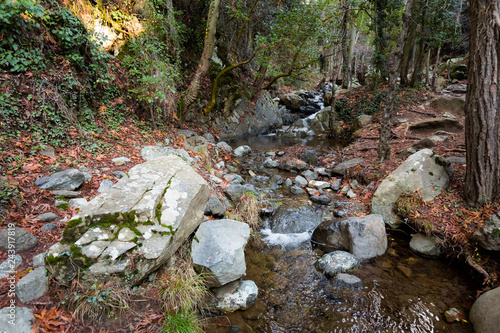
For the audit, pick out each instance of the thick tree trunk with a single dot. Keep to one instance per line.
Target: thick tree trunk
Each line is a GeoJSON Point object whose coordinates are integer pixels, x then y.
{"type": "Point", "coordinates": [384, 150]}
{"type": "Point", "coordinates": [408, 52]}
{"type": "Point", "coordinates": [482, 104]}
{"type": "Point", "coordinates": [435, 71]}
{"type": "Point", "coordinates": [190, 94]}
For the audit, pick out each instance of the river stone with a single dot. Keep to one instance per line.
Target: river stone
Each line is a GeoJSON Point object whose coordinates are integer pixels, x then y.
{"type": "Point", "coordinates": [290, 219]}
{"type": "Point", "coordinates": [234, 191]}
{"type": "Point", "coordinates": [426, 246]}
{"type": "Point", "coordinates": [24, 241]}
{"type": "Point", "coordinates": [237, 179]}
{"type": "Point", "coordinates": [335, 184]}
{"type": "Point", "coordinates": [310, 156]}
{"type": "Point", "coordinates": [435, 124]}
{"type": "Point", "coordinates": [20, 317]}
{"type": "Point", "coordinates": [445, 103]}
{"type": "Point", "coordinates": [424, 171]}
{"type": "Point", "coordinates": [336, 262]}
{"type": "Point", "coordinates": [296, 190]}
{"type": "Point", "coordinates": [341, 168]}
{"type": "Point", "coordinates": [223, 145]}
{"type": "Point", "coordinates": [292, 101]}
{"type": "Point", "coordinates": [484, 312]}
{"type": "Point", "coordinates": [300, 181]}
{"type": "Point", "coordinates": [33, 285]}
{"type": "Point", "coordinates": [163, 199]}
{"type": "Point", "coordinates": [320, 199]}
{"type": "Point", "coordinates": [288, 183]}
{"type": "Point", "coordinates": [218, 249]}
{"type": "Point", "coordinates": [347, 281]}
{"type": "Point", "coordinates": [66, 194]}
{"type": "Point", "coordinates": [120, 160]}
{"type": "Point", "coordinates": [319, 184]}
{"type": "Point", "coordinates": [269, 163]}
{"type": "Point", "coordinates": [196, 144]}
{"type": "Point", "coordinates": [309, 175]}
{"type": "Point", "coordinates": [242, 150]}
{"type": "Point", "coordinates": [488, 235]}
{"type": "Point", "coordinates": [9, 266]}
{"type": "Point", "coordinates": [77, 203]}
{"type": "Point", "coordinates": [66, 180]}
{"type": "Point", "coordinates": [47, 217]}
{"type": "Point", "coordinates": [293, 164]}
{"type": "Point", "coordinates": [364, 236]}
{"type": "Point", "coordinates": [105, 185]}
{"type": "Point", "coordinates": [236, 295]}
{"type": "Point", "coordinates": [214, 207]}
{"type": "Point", "coordinates": [350, 194]}
{"type": "Point", "coordinates": [277, 180]}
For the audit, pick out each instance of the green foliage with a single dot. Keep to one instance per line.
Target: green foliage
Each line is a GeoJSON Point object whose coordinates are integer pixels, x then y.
{"type": "Point", "coordinates": [8, 195]}
{"type": "Point", "coordinates": [182, 322]}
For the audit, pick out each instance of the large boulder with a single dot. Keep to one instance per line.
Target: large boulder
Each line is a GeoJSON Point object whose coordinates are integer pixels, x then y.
{"type": "Point", "coordinates": [488, 235]}
{"type": "Point", "coordinates": [484, 312]}
{"type": "Point", "coordinates": [134, 227]}
{"type": "Point", "coordinates": [257, 119]}
{"type": "Point", "coordinates": [321, 121]}
{"type": "Point", "coordinates": [424, 171]}
{"type": "Point", "coordinates": [292, 101]}
{"type": "Point", "coordinates": [446, 103]}
{"type": "Point", "coordinates": [436, 124]}
{"type": "Point", "coordinates": [218, 250]}
{"type": "Point", "coordinates": [65, 180]}
{"type": "Point", "coordinates": [363, 236]}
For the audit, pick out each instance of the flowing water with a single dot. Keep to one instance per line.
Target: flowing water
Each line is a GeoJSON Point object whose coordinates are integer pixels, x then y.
{"type": "Point", "coordinates": [402, 292]}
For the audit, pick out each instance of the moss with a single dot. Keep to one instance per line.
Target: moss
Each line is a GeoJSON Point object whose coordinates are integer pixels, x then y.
{"type": "Point", "coordinates": [79, 257]}
{"type": "Point", "coordinates": [64, 206]}
{"type": "Point", "coordinates": [440, 161]}
{"type": "Point", "coordinates": [51, 260]}
{"type": "Point", "coordinates": [431, 173]}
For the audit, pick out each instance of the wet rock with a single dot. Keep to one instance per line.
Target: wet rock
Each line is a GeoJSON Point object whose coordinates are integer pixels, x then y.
{"type": "Point", "coordinates": [296, 190]}
{"type": "Point", "coordinates": [435, 124]}
{"type": "Point", "coordinates": [120, 160]}
{"type": "Point", "coordinates": [219, 250]}
{"type": "Point", "coordinates": [47, 217]}
{"type": "Point", "coordinates": [106, 184]}
{"type": "Point", "coordinates": [292, 101]}
{"type": "Point", "coordinates": [310, 156]}
{"type": "Point", "coordinates": [269, 163]}
{"type": "Point", "coordinates": [309, 175]}
{"type": "Point", "coordinates": [186, 133]}
{"type": "Point", "coordinates": [291, 220]}
{"type": "Point", "coordinates": [426, 246]}
{"type": "Point", "coordinates": [49, 227]}
{"type": "Point", "coordinates": [405, 270]}
{"type": "Point", "coordinates": [223, 145]}
{"type": "Point", "coordinates": [33, 285]}
{"type": "Point", "coordinates": [196, 144]}
{"type": "Point", "coordinates": [300, 181]}
{"type": "Point", "coordinates": [321, 199]}
{"type": "Point", "coordinates": [214, 207]}
{"type": "Point", "coordinates": [341, 169]}
{"type": "Point", "coordinates": [23, 240]}
{"type": "Point", "coordinates": [9, 266]}
{"type": "Point", "coordinates": [454, 315]}
{"type": "Point", "coordinates": [364, 236]}
{"type": "Point", "coordinates": [347, 281]}
{"type": "Point", "coordinates": [119, 174]}
{"type": "Point", "coordinates": [361, 121]}
{"type": "Point", "coordinates": [209, 137]}
{"type": "Point", "coordinates": [488, 236]}
{"type": "Point", "coordinates": [484, 312]}
{"type": "Point", "coordinates": [336, 262]}
{"type": "Point", "coordinates": [22, 316]}
{"type": "Point", "coordinates": [445, 103]}
{"type": "Point", "coordinates": [234, 191]}
{"type": "Point", "coordinates": [242, 150]}
{"type": "Point", "coordinates": [66, 180]}
{"type": "Point", "coordinates": [237, 295]}
{"type": "Point", "coordinates": [66, 194]}
{"type": "Point", "coordinates": [77, 203]}
{"type": "Point", "coordinates": [424, 171]}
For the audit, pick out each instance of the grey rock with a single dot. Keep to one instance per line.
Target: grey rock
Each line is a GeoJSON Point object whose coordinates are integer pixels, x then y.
{"type": "Point", "coordinates": [291, 220]}
{"type": "Point", "coordinates": [336, 262]}
{"type": "Point", "coordinates": [484, 312]}
{"type": "Point", "coordinates": [435, 124]}
{"type": "Point", "coordinates": [223, 145]}
{"type": "Point", "coordinates": [33, 285]}
{"type": "Point", "coordinates": [456, 160]}
{"type": "Point", "coordinates": [426, 246]}
{"type": "Point", "coordinates": [39, 259]}
{"type": "Point", "coordinates": [119, 174]}
{"type": "Point", "coordinates": [345, 189]}
{"type": "Point", "coordinates": [270, 154]}
{"type": "Point", "coordinates": [184, 155]}
{"type": "Point", "coordinates": [209, 137]}
{"type": "Point", "coordinates": [296, 190]}
{"type": "Point", "coordinates": [300, 181]}
{"type": "Point", "coordinates": [354, 184]}
{"type": "Point", "coordinates": [214, 207]}
{"type": "Point", "coordinates": [309, 175]}
{"type": "Point", "coordinates": [196, 144]}
{"type": "Point", "coordinates": [445, 103]}
{"type": "Point", "coordinates": [120, 160]}
{"type": "Point", "coordinates": [310, 157]}
{"type": "Point", "coordinates": [429, 142]}
{"type": "Point", "coordinates": [488, 235]}
{"type": "Point", "coordinates": [294, 164]}
{"type": "Point", "coordinates": [237, 295]}
{"type": "Point", "coordinates": [269, 163]}
{"type": "Point", "coordinates": [219, 250]}
{"type": "Point", "coordinates": [47, 151]}
{"type": "Point", "coordinates": [49, 227]}
{"type": "Point", "coordinates": [153, 152]}
{"type": "Point", "coordinates": [106, 184]}
{"type": "Point", "coordinates": [335, 184]}
{"type": "Point", "coordinates": [365, 236]}
{"type": "Point", "coordinates": [77, 203]}
{"type": "Point", "coordinates": [116, 248]}
{"type": "Point", "coordinates": [321, 199]}
{"type": "Point", "coordinates": [361, 121]}
{"type": "Point", "coordinates": [234, 191]}
{"type": "Point", "coordinates": [319, 184]}
{"type": "Point", "coordinates": [61, 203]}
{"type": "Point", "coordinates": [424, 171]}
{"type": "Point", "coordinates": [288, 183]}
{"type": "Point", "coordinates": [66, 180]}
{"type": "Point", "coordinates": [47, 217]}
{"type": "Point", "coordinates": [235, 178]}
{"type": "Point", "coordinates": [66, 194]}
{"type": "Point", "coordinates": [22, 319]}
{"type": "Point", "coordinates": [9, 266]}
{"type": "Point", "coordinates": [87, 177]}
{"type": "Point", "coordinates": [347, 281]}
{"type": "Point", "coordinates": [186, 133]}
{"type": "Point", "coordinates": [64, 220]}
{"type": "Point", "coordinates": [341, 169]}
{"type": "Point", "coordinates": [292, 101]}
{"type": "Point", "coordinates": [277, 180]}
{"type": "Point", "coordinates": [242, 150]}
{"type": "Point", "coordinates": [350, 194]}
{"type": "Point", "coordinates": [23, 240]}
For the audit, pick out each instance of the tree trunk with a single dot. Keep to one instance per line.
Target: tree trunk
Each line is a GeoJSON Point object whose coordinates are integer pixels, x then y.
{"type": "Point", "coordinates": [482, 104]}
{"type": "Point", "coordinates": [190, 94]}
{"type": "Point", "coordinates": [419, 63]}
{"type": "Point", "coordinates": [345, 44]}
{"type": "Point", "coordinates": [435, 71]}
{"type": "Point", "coordinates": [427, 65]}
{"type": "Point", "coordinates": [408, 52]}
{"type": "Point", "coordinates": [384, 150]}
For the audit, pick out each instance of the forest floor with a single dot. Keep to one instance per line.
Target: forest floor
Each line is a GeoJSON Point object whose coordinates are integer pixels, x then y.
{"type": "Point", "coordinates": [448, 216]}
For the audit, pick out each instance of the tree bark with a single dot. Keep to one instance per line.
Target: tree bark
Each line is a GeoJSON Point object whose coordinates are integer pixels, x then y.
{"type": "Point", "coordinates": [408, 51]}
{"type": "Point", "coordinates": [190, 94]}
{"type": "Point", "coordinates": [384, 150]}
{"type": "Point", "coordinates": [482, 104]}
{"type": "Point", "coordinates": [345, 44]}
